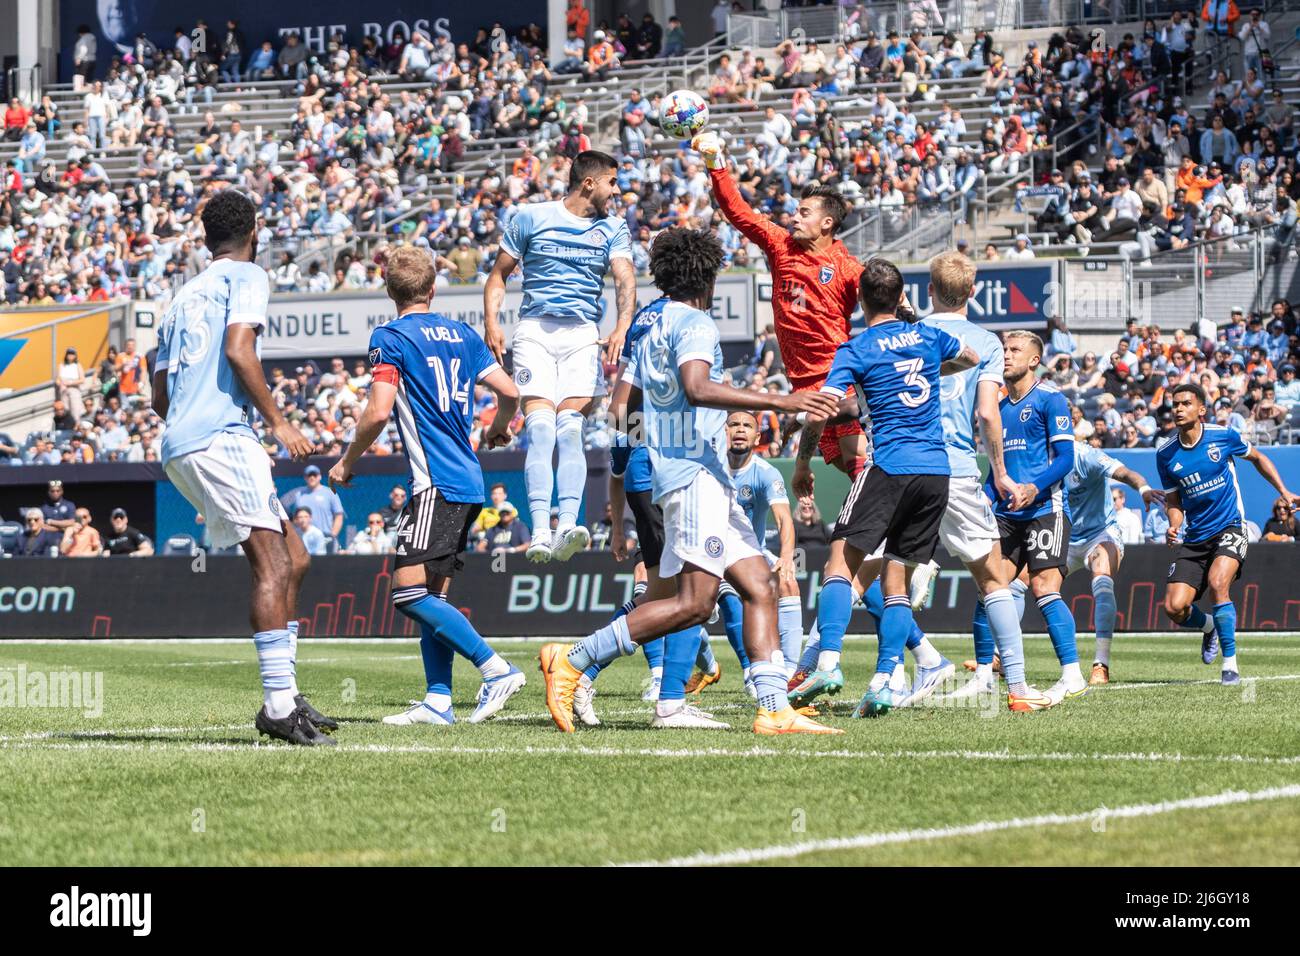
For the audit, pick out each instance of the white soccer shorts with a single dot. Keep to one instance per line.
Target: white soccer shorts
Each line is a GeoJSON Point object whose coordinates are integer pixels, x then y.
{"type": "Point", "coordinates": [557, 359]}
{"type": "Point", "coordinates": [230, 484]}
{"type": "Point", "coordinates": [1080, 552]}
{"type": "Point", "coordinates": [705, 526]}
{"type": "Point", "coordinates": [968, 529]}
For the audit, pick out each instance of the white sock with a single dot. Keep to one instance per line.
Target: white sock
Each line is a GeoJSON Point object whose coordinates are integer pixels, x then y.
{"type": "Point", "coordinates": [279, 703]}
{"type": "Point", "coordinates": [898, 680]}
{"type": "Point", "coordinates": [744, 675]}
{"type": "Point", "coordinates": [665, 708]}
{"type": "Point", "coordinates": [926, 654]}
{"type": "Point", "coordinates": [293, 650]}
{"type": "Point", "coordinates": [584, 681]}
{"type": "Point", "coordinates": [1230, 663]}
{"type": "Point", "coordinates": [1208, 626]}
{"type": "Point", "coordinates": [494, 666]}
{"type": "Point", "coordinates": [1071, 674]}
{"type": "Point", "coordinates": [657, 673]}
{"type": "Point", "coordinates": [828, 660]}
{"type": "Point", "coordinates": [984, 673]}
{"type": "Point", "coordinates": [878, 681]}
{"type": "Point", "coordinates": [439, 702]}
{"type": "Point", "coordinates": [790, 668]}
{"type": "Point", "coordinates": [1102, 655]}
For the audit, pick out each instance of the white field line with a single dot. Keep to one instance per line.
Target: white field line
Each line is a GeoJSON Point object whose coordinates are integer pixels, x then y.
{"type": "Point", "coordinates": [1189, 683]}
{"type": "Point", "coordinates": [896, 837]}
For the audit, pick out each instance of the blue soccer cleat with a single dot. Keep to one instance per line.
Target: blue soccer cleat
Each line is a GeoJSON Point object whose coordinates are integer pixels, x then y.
{"type": "Point", "coordinates": [494, 693]}
{"type": "Point", "coordinates": [926, 682]}
{"type": "Point", "coordinates": [1230, 678]}
{"type": "Point", "coordinates": [815, 684]}
{"type": "Point", "coordinates": [1210, 647]}
{"type": "Point", "coordinates": [875, 703]}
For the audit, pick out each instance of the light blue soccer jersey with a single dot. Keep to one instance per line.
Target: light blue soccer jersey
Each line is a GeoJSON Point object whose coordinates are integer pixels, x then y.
{"type": "Point", "coordinates": [1205, 477]}
{"type": "Point", "coordinates": [564, 259]}
{"type": "Point", "coordinates": [205, 396]}
{"type": "Point", "coordinates": [1092, 510]}
{"type": "Point", "coordinates": [958, 393]}
{"type": "Point", "coordinates": [1031, 431]}
{"type": "Point", "coordinates": [682, 438]}
{"type": "Point", "coordinates": [758, 486]}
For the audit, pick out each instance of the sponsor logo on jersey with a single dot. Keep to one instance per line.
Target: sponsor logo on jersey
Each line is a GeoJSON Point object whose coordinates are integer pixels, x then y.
{"type": "Point", "coordinates": [826, 275]}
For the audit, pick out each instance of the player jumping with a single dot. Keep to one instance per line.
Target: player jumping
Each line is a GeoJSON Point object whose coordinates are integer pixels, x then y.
{"type": "Point", "coordinates": [207, 381]}
{"type": "Point", "coordinates": [677, 371]}
{"type": "Point", "coordinates": [565, 248]}
{"type": "Point", "coordinates": [426, 366]}
{"type": "Point", "coordinates": [1200, 480]}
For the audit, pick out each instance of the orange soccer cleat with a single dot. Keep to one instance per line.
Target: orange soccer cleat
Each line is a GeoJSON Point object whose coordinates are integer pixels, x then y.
{"type": "Point", "coordinates": [1026, 703]}
{"type": "Point", "coordinates": [997, 664]}
{"type": "Point", "coordinates": [788, 721]}
{"type": "Point", "coordinates": [1100, 674]}
{"type": "Point", "coordinates": [702, 679]}
{"type": "Point", "coordinates": [561, 679]}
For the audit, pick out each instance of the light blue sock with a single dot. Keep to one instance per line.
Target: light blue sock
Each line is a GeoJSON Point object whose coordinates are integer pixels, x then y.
{"type": "Point", "coordinates": [1103, 615]}
{"type": "Point", "coordinates": [770, 682]}
{"type": "Point", "coordinates": [1060, 626]}
{"type": "Point", "coordinates": [638, 589]}
{"type": "Point", "coordinates": [704, 658]}
{"type": "Point", "coordinates": [733, 619]}
{"type": "Point", "coordinates": [539, 429]}
{"type": "Point", "coordinates": [293, 649]}
{"type": "Point", "coordinates": [895, 624]}
{"type": "Point", "coordinates": [446, 622]}
{"type": "Point", "coordinates": [1197, 620]}
{"type": "Point", "coordinates": [610, 642]}
{"type": "Point", "coordinates": [678, 656]}
{"type": "Point", "coordinates": [1225, 619]}
{"type": "Point", "coordinates": [834, 608]}
{"type": "Point", "coordinates": [789, 622]}
{"type": "Point", "coordinates": [1019, 589]}
{"type": "Point", "coordinates": [275, 662]}
{"type": "Point", "coordinates": [571, 469]}
{"type": "Point", "coordinates": [1004, 630]}
{"type": "Point", "coordinates": [984, 643]}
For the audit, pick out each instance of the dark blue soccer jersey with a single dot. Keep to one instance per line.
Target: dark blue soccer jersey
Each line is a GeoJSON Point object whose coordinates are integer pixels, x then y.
{"type": "Point", "coordinates": [630, 461]}
{"type": "Point", "coordinates": [1205, 477]}
{"type": "Point", "coordinates": [896, 365]}
{"type": "Point", "coordinates": [1031, 429]}
{"type": "Point", "coordinates": [438, 362]}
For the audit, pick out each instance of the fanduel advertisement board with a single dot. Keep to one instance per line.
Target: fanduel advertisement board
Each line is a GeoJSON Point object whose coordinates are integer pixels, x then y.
{"type": "Point", "coordinates": [116, 23]}
{"type": "Point", "coordinates": [340, 324]}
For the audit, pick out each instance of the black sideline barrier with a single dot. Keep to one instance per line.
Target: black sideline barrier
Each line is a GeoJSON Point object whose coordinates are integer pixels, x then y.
{"type": "Point", "coordinates": [347, 596]}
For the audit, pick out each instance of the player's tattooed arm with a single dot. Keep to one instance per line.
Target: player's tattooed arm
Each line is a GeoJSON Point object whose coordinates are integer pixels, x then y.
{"type": "Point", "coordinates": [625, 299]}
{"type": "Point", "coordinates": [1137, 482]}
{"type": "Point", "coordinates": [990, 420]}
{"type": "Point", "coordinates": [498, 433]}
{"type": "Point", "coordinates": [494, 293]}
{"type": "Point", "coordinates": [966, 358]}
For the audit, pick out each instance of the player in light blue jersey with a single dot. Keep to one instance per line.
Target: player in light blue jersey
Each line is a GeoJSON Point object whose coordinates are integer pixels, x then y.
{"type": "Point", "coordinates": [1203, 497]}
{"type": "Point", "coordinates": [1038, 442]}
{"type": "Point", "coordinates": [424, 367]}
{"type": "Point", "coordinates": [677, 374]}
{"type": "Point", "coordinates": [207, 384]}
{"type": "Point", "coordinates": [564, 250]}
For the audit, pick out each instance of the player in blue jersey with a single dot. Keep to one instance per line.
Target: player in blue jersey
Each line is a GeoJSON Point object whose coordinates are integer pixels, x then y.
{"type": "Point", "coordinates": [564, 250]}
{"type": "Point", "coordinates": [894, 366]}
{"type": "Point", "coordinates": [425, 366]}
{"type": "Point", "coordinates": [1203, 498]}
{"type": "Point", "coordinates": [1034, 523]}
{"type": "Point", "coordinates": [207, 383]}
{"type": "Point", "coordinates": [677, 374]}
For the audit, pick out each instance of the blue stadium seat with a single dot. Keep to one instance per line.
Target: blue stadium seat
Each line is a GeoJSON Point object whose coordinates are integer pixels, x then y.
{"type": "Point", "coordinates": [9, 535]}
{"type": "Point", "coordinates": [182, 544]}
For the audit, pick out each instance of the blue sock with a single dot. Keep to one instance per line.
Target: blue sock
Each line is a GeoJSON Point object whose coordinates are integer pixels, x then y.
{"type": "Point", "coordinates": [678, 657]}
{"type": "Point", "coordinates": [895, 624]}
{"type": "Point", "coordinates": [654, 653]}
{"type": "Point", "coordinates": [789, 623]}
{"type": "Point", "coordinates": [704, 658]}
{"type": "Point", "coordinates": [733, 619]}
{"type": "Point", "coordinates": [275, 662]}
{"type": "Point", "coordinates": [437, 658]}
{"type": "Point", "coordinates": [539, 428]}
{"type": "Point", "coordinates": [1225, 619]}
{"type": "Point", "coordinates": [808, 660]}
{"type": "Point", "coordinates": [610, 642]}
{"type": "Point", "coordinates": [1060, 626]}
{"type": "Point", "coordinates": [873, 599]}
{"type": "Point", "coordinates": [571, 469]}
{"type": "Point", "coordinates": [983, 635]}
{"type": "Point", "coordinates": [446, 622]}
{"type": "Point", "coordinates": [770, 683]}
{"type": "Point", "coordinates": [834, 608]}
{"type": "Point", "coordinates": [1196, 620]}
{"type": "Point", "coordinates": [1004, 630]}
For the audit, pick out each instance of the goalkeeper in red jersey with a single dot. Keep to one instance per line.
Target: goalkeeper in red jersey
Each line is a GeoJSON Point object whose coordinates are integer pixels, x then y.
{"type": "Point", "coordinates": [814, 292]}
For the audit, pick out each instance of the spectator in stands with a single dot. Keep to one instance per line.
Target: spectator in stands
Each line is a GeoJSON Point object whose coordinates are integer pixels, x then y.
{"type": "Point", "coordinates": [490, 514]}
{"type": "Point", "coordinates": [124, 539]}
{"type": "Point", "coordinates": [1059, 340]}
{"type": "Point", "coordinates": [38, 540]}
{"type": "Point", "coordinates": [509, 535]}
{"type": "Point", "coordinates": [313, 539]}
{"type": "Point", "coordinates": [71, 380]}
{"type": "Point", "coordinates": [321, 502]}
{"type": "Point", "coordinates": [393, 510]}
{"type": "Point", "coordinates": [132, 372]}
{"type": "Point", "coordinates": [57, 513]}
{"type": "Point", "coordinates": [1021, 249]}
{"type": "Point", "coordinates": [373, 539]}
{"type": "Point", "coordinates": [233, 47]}
{"type": "Point", "coordinates": [1156, 524]}
{"type": "Point", "coordinates": [809, 528]}
{"type": "Point", "coordinates": [1129, 521]}
{"type": "Point", "coordinates": [1281, 526]}
{"type": "Point", "coordinates": [81, 540]}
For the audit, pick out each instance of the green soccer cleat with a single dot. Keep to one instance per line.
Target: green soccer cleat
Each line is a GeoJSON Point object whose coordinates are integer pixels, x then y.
{"type": "Point", "coordinates": [829, 682]}
{"type": "Point", "coordinates": [875, 703]}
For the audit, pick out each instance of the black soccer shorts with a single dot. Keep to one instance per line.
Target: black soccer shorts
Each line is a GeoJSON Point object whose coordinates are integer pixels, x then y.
{"type": "Point", "coordinates": [1192, 561]}
{"type": "Point", "coordinates": [432, 531]}
{"type": "Point", "coordinates": [1041, 543]}
{"type": "Point", "coordinates": [904, 511]}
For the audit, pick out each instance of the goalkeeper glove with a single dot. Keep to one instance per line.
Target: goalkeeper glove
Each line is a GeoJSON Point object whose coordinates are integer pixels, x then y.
{"type": "Point", "coordinates": [709, 146]}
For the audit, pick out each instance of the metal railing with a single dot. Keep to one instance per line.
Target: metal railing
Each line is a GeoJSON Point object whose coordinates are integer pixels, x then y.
{"type": "Point", "coordinates": [910, 232]}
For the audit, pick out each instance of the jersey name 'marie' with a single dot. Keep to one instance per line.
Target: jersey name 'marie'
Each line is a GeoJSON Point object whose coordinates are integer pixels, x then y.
{"type": "Point", "coordinates": [902, 340]}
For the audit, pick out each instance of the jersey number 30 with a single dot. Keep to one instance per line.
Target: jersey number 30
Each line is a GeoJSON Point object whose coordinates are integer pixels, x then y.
{"type": "Point", "coordinates": [911, 369]}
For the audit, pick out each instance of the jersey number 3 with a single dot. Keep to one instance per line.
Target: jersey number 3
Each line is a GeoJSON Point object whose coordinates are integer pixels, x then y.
{"type": "Point", "coordinates": [911, 369]}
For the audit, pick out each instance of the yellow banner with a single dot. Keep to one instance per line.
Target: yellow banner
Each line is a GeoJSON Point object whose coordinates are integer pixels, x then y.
{"type": "Point", "coordinates": [28, 359]}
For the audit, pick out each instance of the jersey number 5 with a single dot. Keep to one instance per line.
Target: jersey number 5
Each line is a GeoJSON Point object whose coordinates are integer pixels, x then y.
{"type": "Point", "coordinates": [911, 369]}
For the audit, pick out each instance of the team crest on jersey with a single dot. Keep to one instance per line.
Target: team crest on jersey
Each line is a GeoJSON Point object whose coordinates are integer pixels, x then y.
{"type": "Point", "coordinates": [274, 503]}
{"type": "Point", "coordinates": [746, 492]}
{"type": "Point", "coordinates": [376, 356]}
{"type": "Point", "coordinates": [1062, 421]}
{"type": "Point", "coordinates": [1025, 413]}
{"type": "Point", "coordinates": [713, 546]}
{"type": "Point", "coordinates": [778, 488]}
{"type": "Point", "coordinates": [596, 237]}
{"type": "Point", "coordinates": [826, 275]}
{"type": "Point", "coordinates": [1214, 453]}
{"type": "Point", "coordinates": [523, 376]}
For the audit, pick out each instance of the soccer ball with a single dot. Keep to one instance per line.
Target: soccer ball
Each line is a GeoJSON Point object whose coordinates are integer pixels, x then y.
{"type": "Point", "coordinates": [683, 113]}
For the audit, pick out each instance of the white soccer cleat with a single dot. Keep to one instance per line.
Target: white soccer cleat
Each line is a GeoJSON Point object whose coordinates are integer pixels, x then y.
{"type": "Point", "coordinates": [1064, 690]}
{"type": "Point", "coordinates": [974, 687]}
{"type": "Point", "coordinates": [689, 718]}
{"type": "Point", "coordinates": [651, 692]}
{"type": "Point", "coordinates": [582, 708]}
{"type": "Point", "coordinates": [922, 588]}
{"type": "Point", "coordinates": [420, 713]}
{"type": "Point", "coordinates": [539, 549]}
{"type": "Point", "coordinates": [751, 688]}
{"type": "Point", "coordinates": [570, 542]}
{"type": "Point", "coordinates": [494, 693]}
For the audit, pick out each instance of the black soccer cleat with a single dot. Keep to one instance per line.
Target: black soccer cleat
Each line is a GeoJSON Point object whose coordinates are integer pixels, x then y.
{"type": "Point", "coordinates": [296, 728]}
{"type": "Point", "coordinates": [323, 723]}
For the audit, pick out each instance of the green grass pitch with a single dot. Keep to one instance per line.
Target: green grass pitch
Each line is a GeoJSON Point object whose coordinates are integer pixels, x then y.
{"type": "Point", "coordinates": [171, 773]}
